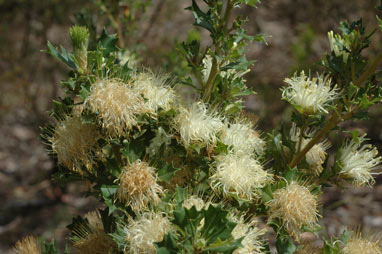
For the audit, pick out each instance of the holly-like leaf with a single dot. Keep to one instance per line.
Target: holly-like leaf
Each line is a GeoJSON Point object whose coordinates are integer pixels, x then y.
{"type": "Point", "coordinates": [201, 19]}
{"type": "Point", "coordinates": [108, 43]}
{"type": "Point", "coordinates": [62, 55]}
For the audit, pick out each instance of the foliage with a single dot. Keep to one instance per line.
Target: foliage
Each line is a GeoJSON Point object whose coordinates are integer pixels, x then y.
{"type": "Point", "coordinates": [194, 188]}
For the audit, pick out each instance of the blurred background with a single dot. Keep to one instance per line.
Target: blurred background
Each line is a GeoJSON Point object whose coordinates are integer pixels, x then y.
{"type": "Point", "coordinates": [30, 203]}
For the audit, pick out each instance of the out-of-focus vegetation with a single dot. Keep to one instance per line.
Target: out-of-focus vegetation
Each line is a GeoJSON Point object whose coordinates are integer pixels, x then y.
{"type": "Point", "coordinates": [29, 80]}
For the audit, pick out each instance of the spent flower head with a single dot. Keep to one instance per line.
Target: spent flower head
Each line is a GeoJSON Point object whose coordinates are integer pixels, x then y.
{"type": "Point", "coordinates": [116, 104]}
{"type": "Point", "coordinates": [358, 243]}
{"type": "Point", "coordinates": [138, 185]}
{"type": "Point", "coordinates": [239, 174]}
{"type": "Point", "coordinates": [197, 125]}
{"type": "Point", "coordinates": [91, 238]}
{"type": "Point", "coordinates": [309, 95]}
{"type": "Point", "coordinates": [144, 231]}
{"type": "Point", "coordinates": [295, 206]}
{"type": "Point", "coordinates": [75, 143]}
{"type": "Point", "coordinates": [358, 161]}
{"type": "Point", "coordinates": [28, 245]}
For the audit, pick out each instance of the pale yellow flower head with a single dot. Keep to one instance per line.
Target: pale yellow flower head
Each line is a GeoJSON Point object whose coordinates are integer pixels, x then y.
{"type": "Point", "coordinates": [358, 244]}
{"type": "Point", "coordinates": [309, 96]}
{"type": "Point", "coordinates": [116, 104]}
{"type": "Point", "coordinates": [138, 186]}
{"type": "Point", "coordinates": [358, 161]}
{"type": "Point", "coordinates": [242, 139]}
{"type": "Point", "coordinates": [28, 245]}
{"type": "Point", "coordinates": [239, 174]}
{"type": "Point", "coordinates": [197, 125]}
{"type": "Point", "coordinates": [194, 201]}
{"type": "Point", "coordinates": [144, 231]}
{"type": "Point", "coordinates": [295, 206]}
{"type": "Point", "coordinates": [251, 242]}
{"type": "Point", "coordinates": [334, 40]}
{"type": "Point", "coordinates": [156, 90]}
{"type": "Point", "coordinates": [316, 156]}
{"type": "Point", "coordinates": [75, 143]}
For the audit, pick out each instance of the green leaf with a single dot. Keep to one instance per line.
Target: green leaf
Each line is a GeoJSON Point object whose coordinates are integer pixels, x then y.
{"type": "Point", "coordinates": [63, 56]}
{"type": "Point", "coordinates": [379, 23]}
{"type": "Point", "coordinates": [49, 247]}
{"type": "Point", "coordinates": [108, 43]}
{"type": "Point", "coordinates": [285, 246]}
{"type": "Point", "coordinates": [108, 191]}
{"type": "Point", "coordinates": [250, 2]}
{"type": "Point", "coordinates": [167, 172]}
{"type": "Point", "coordinates": [201, 19]}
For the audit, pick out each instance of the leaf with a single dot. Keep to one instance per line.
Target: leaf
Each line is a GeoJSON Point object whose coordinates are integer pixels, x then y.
{"type": "Point", "coordinates": [250, 2]}
{"type": "Point", "coordinates": [201, 19]}
{"type": "Point", "coordinates": [108, 43]}
{"type": "Point", "coordinates": [63, 56]}
{"type": "Point", "coordinates": [49, 247]}
{"type": "Point", "coordinates": [167, 172]}
{"type": "Point", "coordinates": [285, 246]}
{"type": "Point", "coordinates": [108, 191]}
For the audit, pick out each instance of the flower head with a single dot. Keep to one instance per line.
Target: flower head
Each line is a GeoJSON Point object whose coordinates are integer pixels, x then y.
{"type": "Point", "coordinates": [339, 45]}
{"type": "Point", "coordinates": [156, 90]}
{"type": "Point", "coordinates": [117, 105]}
{"type": "Point", "coordinates": [359, 244]}
{"type": "Point", "coordinates": [295, 206]}
{"type": "Point", "coordinates": [309, 96]}
{"type": "Point", "coordinates": [28, 245]}
{"type": "Point", "coordinates": [316, 156]}
{"type": "Point", "coordinates": [143, 232]}
{"type": "Point", "coordinates": [358, 161]}
{"type": "Point", "coordinates": [75, 143]}
{"type": "Point", "coordinates": [251, 233]}
{"type": "Point", "coordinates": [194, 201]}
{"type": "Point", "coordinates": [91, 238]}
{"type": "Point", "coordinates": [239, 174]}
{"type": "Point", "coordinates": [197, 125]}
{"type": "Point", "coordinates": [138, 185]}
{"type": "Point", "coordinates": [242, 139]}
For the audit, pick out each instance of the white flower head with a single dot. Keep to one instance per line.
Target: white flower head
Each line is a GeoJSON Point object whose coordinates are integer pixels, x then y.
{"type": "Point", "coordinates": [239, 174]}
{"type": "Point", "coordinates": [156, 90]}
{"type": "Point", "coordinates": [197, 125]}
{"type": "Point", "coordinates": [194, 201]}
{"type": "Point", "coordinates": [117, 105]}
{"type": "Point", "coordinates": [334, 41]}
{"type": "Point", "coordinates": [142, 233]}
{"type": "Point", "coordinates": [309, 96]}
{"type": "Point", "coordinates": [242, 139]}
{"type": "Point", "coordinates": [358, 161]}
{"type": "Point", "coordinates": [316, 156]}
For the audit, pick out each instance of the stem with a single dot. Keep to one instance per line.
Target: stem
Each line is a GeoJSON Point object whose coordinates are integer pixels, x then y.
{"type": "Point", "coordinates": [369, 71]}
{"type": "Point", "coordinates": [215, 68]}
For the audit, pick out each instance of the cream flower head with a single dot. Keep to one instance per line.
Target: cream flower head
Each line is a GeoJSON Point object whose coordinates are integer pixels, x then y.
{"type": "Point", "coordinates": [295, 206]}
{"type": "Point", "coordinates": [116, 104]}
{"type": "Point", "coordinates": [358, 161]}
{"type": "Point", "coordinates": [309, 96]}
{"type": "Point", "coordinates": [138, 185]}
{"type": "Point", "coordinates": [75, 143]}
{"type": "Point", "coordinates": [197, 125]}
{"type": "Point", "coordinates": [239, 174]}
{"type": "Point", "coordinates": [242, 139]}
{"type": "Point", "coordinates": [143, 232]}
{"type": "Point", "coordinates": [156, 91]}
